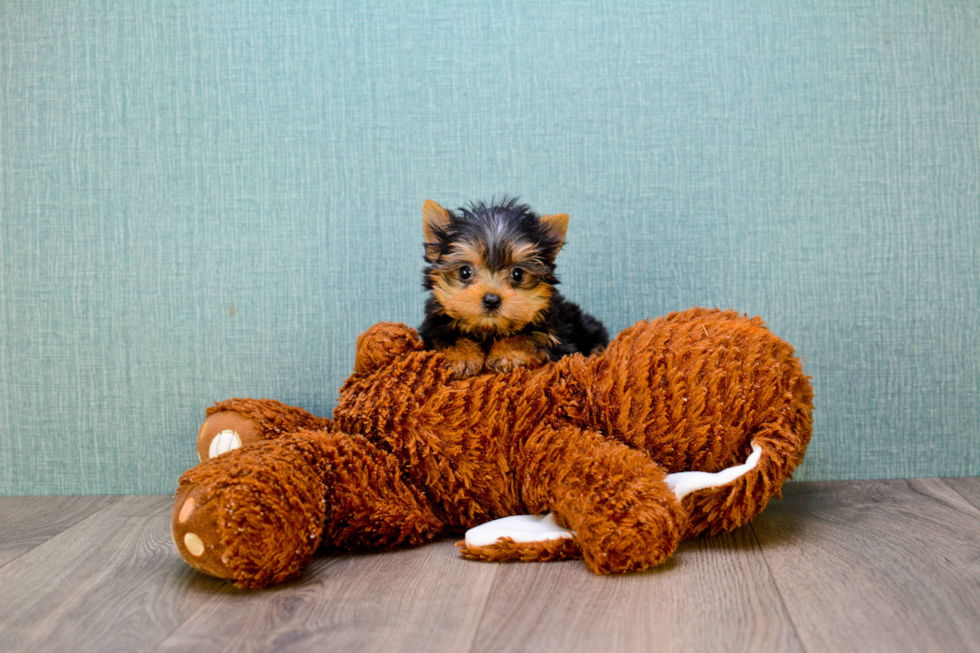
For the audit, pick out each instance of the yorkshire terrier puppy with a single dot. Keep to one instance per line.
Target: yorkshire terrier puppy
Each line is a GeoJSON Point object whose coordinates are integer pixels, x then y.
{"type": "Point", "coordinates": [493, 303]}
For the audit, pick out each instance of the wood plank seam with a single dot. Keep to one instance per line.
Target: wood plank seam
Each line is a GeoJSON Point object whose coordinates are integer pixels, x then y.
{"type": "Point", "coordinates": [775, 583]}
{"type": "Point", "coordinates": [968, 499]}
{"type": "Point", "coordinates": [486, 603]}
{"type": "Point", "coordinates": [328, 604]}
{"type": "Point", "coordinates": [111, 503]}
{"type": "Point", "coordinates": [219, 590]}
{"type": "Point", "coordinates": [884, 565]}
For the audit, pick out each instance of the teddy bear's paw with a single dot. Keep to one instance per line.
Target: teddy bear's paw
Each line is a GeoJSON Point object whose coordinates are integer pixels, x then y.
{"type": "Point", "coordinates": [225, 431]}
{"type": "Point", "coordinates": [255, 514]}
{"type": "Point", "coordinates": [634, 534]}
{"type": "Point", "coordinates": [196, 533]}
{"type": "Point", "coordinates": [527, 538]}
{"type": "Point", "coordinates": [518, 528]}
{"type": "Point", "coordinates": [631, 549]}
{"type": "Point", "coordinates": [507, 550]}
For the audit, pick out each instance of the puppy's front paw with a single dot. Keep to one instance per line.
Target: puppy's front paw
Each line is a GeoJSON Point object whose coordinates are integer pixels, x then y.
{"type": "Point", "coordinates": [508, 354]}
{"type": "Point", "coordinates": [465, 358]}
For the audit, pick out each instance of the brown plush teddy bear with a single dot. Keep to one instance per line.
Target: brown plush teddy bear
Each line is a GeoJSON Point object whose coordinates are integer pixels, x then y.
{"type": "Point", "coordinates": [684, 425]}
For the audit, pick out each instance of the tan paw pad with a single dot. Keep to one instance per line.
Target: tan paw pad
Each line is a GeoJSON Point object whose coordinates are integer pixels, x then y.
{"type": "Point", "coordinates": [186, 510]}
{"type": "Point", "coordinates": [194, 544]}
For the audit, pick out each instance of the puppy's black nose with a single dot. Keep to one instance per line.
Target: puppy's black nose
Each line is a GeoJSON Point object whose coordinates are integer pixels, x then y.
{"type": "Point", "coordinates": [491, 301]}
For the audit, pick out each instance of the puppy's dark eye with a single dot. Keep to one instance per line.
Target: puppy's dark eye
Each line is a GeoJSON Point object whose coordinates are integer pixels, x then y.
{"type": "Point", "coordinates": [517, 275]}
{"type": "Point", "coordinates": [465, 273]}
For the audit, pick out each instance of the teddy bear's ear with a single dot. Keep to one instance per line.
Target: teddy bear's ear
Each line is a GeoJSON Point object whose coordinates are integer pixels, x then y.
{"type": "Point", "coordinates": [384, 343]}
{"type": "Point", "coordinates": [435, 220]}
{"type": "Point", "coordinates": [555, 226]}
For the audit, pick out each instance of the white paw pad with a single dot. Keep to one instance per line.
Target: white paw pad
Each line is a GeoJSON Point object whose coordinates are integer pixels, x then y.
{"type": "Point", "coordinates": [683, 483]}
{"type": "Point", "coordinates": [520, 528]}
{"type": "Point", "coordinates": [224, 442]}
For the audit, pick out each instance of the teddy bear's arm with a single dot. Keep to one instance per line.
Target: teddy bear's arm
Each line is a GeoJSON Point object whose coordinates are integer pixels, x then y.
{"type": "Point", "coordinates": [615, 498]}
{"type": "Point", "coordinates": [256, 515]}
{"type": "Point", "coordinates": [371, 505]}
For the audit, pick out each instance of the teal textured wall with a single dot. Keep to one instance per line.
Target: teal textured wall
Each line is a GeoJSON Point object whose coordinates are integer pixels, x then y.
{"type": "Point", "coordinates": [214, 200]}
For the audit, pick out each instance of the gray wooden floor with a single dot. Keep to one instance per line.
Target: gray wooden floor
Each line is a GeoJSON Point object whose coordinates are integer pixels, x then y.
{"type": "Point", "coordinates": [857, 566]}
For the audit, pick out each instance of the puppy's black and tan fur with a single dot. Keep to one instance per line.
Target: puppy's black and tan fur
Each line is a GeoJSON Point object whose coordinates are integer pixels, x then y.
{"type": "Point", "coordinates": [493, 303]}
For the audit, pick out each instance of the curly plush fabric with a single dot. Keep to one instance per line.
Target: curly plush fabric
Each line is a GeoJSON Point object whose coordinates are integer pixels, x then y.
{"type": "Point", "coordinates": [412, 454]}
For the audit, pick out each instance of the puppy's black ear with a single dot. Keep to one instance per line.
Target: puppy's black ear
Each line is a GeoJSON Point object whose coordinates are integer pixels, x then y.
{"type": "Point", "coordinates": [555, 226]}
{"type": "Point", "coordinates": [435, 221]}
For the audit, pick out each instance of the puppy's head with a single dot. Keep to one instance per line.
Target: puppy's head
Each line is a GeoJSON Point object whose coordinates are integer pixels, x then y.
{"type": "Point", "coordinates": [491, 267]}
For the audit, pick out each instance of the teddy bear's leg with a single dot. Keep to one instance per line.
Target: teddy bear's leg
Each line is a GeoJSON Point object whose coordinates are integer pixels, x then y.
{"type": "Point", "coordinates": [539, 538]}
{"type": "Point", "coordinates": [615, 498]}
{"type": "Point", "coordinates": [257, 514]}
{"type": "Point", "coordinates": [746, 490]}
{"type": "Point", "coordinates": [233, 423]}
{"type": "Point", "coordinates": [698, 390]}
